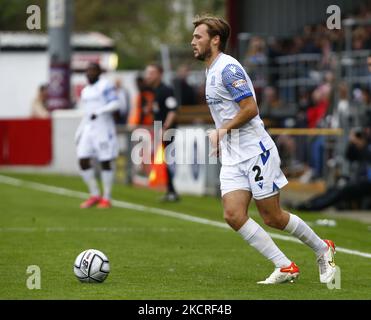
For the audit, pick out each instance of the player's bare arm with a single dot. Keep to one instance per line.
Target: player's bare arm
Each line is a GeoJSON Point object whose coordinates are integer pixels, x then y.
{"type": "Point", "coordinates": [169, 121]}
{"type": "Point", "coordinates": [248, 111]}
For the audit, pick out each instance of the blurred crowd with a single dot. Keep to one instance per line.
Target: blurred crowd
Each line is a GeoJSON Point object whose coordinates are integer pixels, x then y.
{"type": "Point", "coordinates": [262, 56]}
{"type": "Point", "coordinates": [301, 82]}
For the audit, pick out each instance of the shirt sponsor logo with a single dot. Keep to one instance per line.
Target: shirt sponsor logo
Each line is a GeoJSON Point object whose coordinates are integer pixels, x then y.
{"type": "Point", "coordinates": [213, 101]}
{"type": "Point", "coordinates": [239, 83]}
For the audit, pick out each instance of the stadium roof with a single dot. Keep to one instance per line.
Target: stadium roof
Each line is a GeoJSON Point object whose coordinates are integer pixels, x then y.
{"type": "Point", "coordinates": [33, 41]}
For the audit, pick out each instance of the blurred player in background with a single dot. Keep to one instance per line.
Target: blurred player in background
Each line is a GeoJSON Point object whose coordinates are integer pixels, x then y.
{"type": "Point", "coordinates": [164, 110]}
{"type": "Point", "coordinates": [96, 136]}
{"type": "Point", "coordinates": [250, 160]}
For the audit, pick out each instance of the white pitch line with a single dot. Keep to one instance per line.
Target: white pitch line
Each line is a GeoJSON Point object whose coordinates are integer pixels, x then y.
{"type": "Point", "coordinates": [158, 211]}
{"type": "Point", "coordinates": [63, 229]}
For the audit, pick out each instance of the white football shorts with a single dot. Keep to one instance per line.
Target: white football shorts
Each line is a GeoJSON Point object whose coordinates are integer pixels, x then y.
{"type": "Point", "coordinates": [101, 145]}
{"type": "Point", "coordinates": [261, 175]}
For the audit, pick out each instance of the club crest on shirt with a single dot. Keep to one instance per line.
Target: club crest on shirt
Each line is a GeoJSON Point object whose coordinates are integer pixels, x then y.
{"type": "Point", "coordinates": [233, 69]}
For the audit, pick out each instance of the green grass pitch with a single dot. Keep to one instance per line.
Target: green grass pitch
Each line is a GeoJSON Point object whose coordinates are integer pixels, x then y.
{"type": "Point", "coordinates": [154, 256]}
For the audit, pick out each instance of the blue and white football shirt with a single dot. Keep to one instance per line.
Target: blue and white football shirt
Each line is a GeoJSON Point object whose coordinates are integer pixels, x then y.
{"type": "Point", "coordinates": [226, 85]}
{"type": "Point", "coordinates": [94, 97]}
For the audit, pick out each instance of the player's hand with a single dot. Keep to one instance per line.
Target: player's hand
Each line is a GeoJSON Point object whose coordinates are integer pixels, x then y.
{"type": "Point", "coordinates": [93, 116]}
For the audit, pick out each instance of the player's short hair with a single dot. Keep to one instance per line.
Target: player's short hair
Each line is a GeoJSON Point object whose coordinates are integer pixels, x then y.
{"type": "Point", "coordinates": [159, 68]}
{"type": "Point", "coordinates": [95, 65]}
{"type": "Point", "coordinates": [215, 27]}
{"type": "Point", "coordinates": [43, 86]}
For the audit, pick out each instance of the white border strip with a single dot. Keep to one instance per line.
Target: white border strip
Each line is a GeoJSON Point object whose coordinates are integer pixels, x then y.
{"type": "Point", "coordinates": [158, 211]}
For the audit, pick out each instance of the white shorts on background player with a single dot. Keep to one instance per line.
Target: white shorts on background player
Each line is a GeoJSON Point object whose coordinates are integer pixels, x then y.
{"type": "Point", "coordinates": [261, 175]}
{"type": "Point", "coordinates": [101, 146]}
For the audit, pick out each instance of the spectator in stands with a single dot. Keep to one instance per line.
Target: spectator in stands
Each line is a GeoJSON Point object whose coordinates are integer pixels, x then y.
{"type": "Point", "coordinates": [124, 100]}
{"type": "Point", "coordinates": [304, 102]}
{"type": "Point", "coordinates": [316, 113]}
{"type": "Point", "coordinates": [309, 40]}
{"type": "Point", "coordinates": [255, 63]}
{"type": "Point", "coordinates": [341, 112]}
{"type": "Point", "coordinates": [184, 92]}
{"type": "Point", "coordinates": [359, 38]}
{"type": "Point", "coordinates": [39, 107]}
{"type": "Point", "coordinates": [326, 53]}
{"type": "Point", "coordinates": [297, 45]}
{"type": "Point", "coordinates": [301, 142]}
{"type": "Point", "coordinates": [270, 107]}
{"type": "Point", "coordinates": [275, 111]}
{"type": "Point", "coordinates": [360, 107]}
{"type": "Point", "coordinates": [365, 105]}
{"type": "Point", "coordinates": [255, 53]}
{"type": "Point", "coordinates": [321, 98]}
{"type": "Point", "coordinates": [273, 52]}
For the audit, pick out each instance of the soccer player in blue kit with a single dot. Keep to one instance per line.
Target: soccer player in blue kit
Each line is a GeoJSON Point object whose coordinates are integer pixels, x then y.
{"type": "Point", "coordinates": [249, 157]}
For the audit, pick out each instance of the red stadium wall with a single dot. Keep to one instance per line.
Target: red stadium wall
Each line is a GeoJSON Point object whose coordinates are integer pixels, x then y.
{"type": "Point", "coordinates": [25, 142]}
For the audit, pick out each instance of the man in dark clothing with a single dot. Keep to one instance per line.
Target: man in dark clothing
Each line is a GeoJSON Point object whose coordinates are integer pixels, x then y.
{"type": "Point", "coordinates": [164, 110]}
{"type": "Point", "coordinates": [184, 92]}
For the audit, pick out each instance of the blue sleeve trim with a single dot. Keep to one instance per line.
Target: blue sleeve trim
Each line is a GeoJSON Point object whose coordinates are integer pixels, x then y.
{"type": "Point", "coordinates": [111, 99]}
{"type": "Point", "coordinates": [246, 95]}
